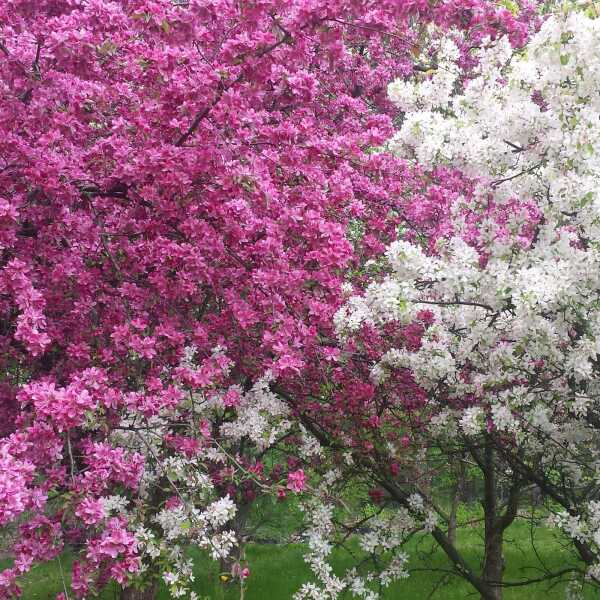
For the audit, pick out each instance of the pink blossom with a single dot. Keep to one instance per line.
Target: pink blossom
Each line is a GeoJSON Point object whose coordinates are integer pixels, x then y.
{"type": "Point", "coordinates": [296, 481]}
{"type": "Point", "coordinates": [90, 511]}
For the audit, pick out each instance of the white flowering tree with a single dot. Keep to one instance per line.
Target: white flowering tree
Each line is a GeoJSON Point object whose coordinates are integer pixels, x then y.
{"type": "Point", "coordinates": [509, 361]}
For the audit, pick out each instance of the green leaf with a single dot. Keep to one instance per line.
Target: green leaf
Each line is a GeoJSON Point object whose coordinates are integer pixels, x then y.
{"type": "Point", "coordinates": [513, 7]}
{"type": "Point", "coordinates": [185, 525]}
{"type": "Point", "coordinates": [585, 200]}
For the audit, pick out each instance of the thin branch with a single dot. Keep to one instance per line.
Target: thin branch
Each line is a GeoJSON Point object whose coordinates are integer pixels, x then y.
{"type": "Point", "coordinates": [200, 116]}
{"type": "Point", "coordinates": [499, 182]}
{"type": "Point", "coordinates": [455, 303]}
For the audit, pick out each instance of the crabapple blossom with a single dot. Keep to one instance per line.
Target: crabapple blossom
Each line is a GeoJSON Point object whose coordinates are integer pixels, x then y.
{"type": "Point", "coordinates": [296, 480]}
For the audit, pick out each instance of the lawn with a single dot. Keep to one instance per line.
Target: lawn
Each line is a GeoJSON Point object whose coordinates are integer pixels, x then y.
{"type": "Point", "coordinates": [278, 571]}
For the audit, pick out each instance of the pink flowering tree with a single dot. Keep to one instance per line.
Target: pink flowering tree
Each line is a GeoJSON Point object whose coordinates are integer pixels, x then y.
{"type": "Point", "coordinates": [181, 185]}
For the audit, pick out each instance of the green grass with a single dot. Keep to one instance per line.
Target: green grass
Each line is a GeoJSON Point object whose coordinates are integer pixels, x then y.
{"type": "Point", "coordinates": [278, 571]}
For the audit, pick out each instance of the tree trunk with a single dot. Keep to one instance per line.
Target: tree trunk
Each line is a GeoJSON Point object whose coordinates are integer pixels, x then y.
{"type": "Point", "coordinates": [452, 522]}
{"type": "Point", "coordinates": [493, 562]}
{"type": "Point", "coordinates": [455, 501]}
{"type": "Point", "coordinates": [493, 566]}
{"type": "Point", "coordinates": [148, 593]}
